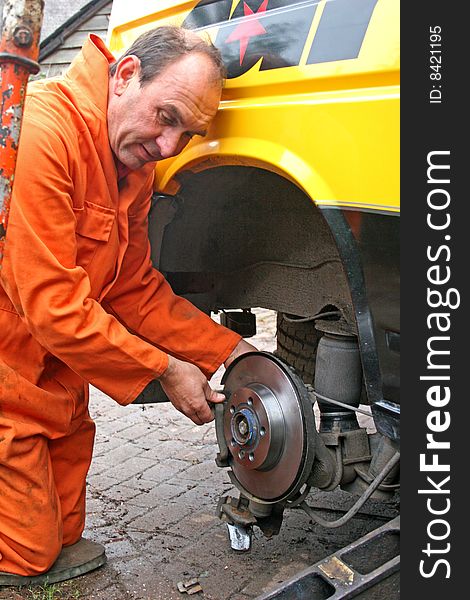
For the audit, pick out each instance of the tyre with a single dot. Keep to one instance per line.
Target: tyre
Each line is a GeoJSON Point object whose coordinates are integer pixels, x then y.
{"type": "Point", "coordinates": [297, 345]}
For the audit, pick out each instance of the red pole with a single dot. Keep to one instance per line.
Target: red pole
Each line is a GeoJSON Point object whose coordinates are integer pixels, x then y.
{"type": "Point", "coordinates": [19, 52]}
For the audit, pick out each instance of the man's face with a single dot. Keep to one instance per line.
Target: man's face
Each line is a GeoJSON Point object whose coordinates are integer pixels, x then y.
{"type": "Point", "coordinates": [157, 120]}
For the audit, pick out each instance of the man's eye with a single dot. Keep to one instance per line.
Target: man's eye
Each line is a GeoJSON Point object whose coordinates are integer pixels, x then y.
{"type": "Point", "coordinates": [166, 119]}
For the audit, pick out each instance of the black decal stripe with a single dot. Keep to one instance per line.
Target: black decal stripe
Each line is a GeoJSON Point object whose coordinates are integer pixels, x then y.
{"type": "Point", "coordinates": [341, 30]}
{"type": "Point", "coordinates": [286, 24]}
{"type": "Point", "coordinates": [208, 13]}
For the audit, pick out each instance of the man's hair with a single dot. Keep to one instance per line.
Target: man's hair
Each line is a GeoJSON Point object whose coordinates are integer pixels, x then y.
{"type": "Point", "coordinates": [159, 47]}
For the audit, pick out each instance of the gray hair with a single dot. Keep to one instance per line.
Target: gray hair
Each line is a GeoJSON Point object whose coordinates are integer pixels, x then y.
{"type": "Point", "coordinates": [159, 47]}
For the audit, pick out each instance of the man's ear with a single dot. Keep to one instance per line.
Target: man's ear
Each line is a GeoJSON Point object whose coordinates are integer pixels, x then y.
{"type": "Point", "coordinates": [127, 69]}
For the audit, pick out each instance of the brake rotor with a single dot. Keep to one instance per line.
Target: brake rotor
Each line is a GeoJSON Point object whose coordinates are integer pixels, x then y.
{"type": "Point", "coordinates": [268, 427]}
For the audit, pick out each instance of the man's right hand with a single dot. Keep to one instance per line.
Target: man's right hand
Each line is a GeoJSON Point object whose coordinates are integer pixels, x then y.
{"type": "Point", "coordinates": [189, 391]}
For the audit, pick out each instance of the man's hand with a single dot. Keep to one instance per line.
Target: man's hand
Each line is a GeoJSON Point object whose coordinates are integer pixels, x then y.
{"type": "Point", "coordinates": [241, 348]}
{"type": "Point", "coordinates": [189, 391]}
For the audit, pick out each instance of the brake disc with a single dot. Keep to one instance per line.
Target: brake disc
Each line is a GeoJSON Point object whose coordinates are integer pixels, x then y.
{"type": "Point", "coordinates": [268, 427]}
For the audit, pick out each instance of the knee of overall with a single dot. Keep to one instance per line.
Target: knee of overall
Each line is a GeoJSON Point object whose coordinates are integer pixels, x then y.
{"type": "Point", "coordinates": [30, 557]}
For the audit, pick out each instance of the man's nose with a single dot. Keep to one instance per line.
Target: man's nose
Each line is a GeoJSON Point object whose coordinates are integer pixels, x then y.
{"type": "Point", "coordinates": [169, 144]}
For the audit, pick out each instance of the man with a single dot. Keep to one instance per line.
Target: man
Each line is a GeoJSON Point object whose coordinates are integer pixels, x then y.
{"type": "Point", "coordinates": [79, 300]}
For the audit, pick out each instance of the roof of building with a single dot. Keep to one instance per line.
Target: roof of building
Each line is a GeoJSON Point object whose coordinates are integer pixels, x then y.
{"type": "Point", "coordinates": [56, 13]}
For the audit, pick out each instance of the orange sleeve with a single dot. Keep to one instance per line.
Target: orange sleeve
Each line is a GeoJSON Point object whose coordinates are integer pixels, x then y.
{"type": "Point", "coordinates": [50, 292]}
{"type": "Point", "coordinates": [145, 302]}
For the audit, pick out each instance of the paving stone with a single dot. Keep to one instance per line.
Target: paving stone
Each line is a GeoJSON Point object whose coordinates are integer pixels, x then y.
{"type": "Point", "coordinates": [134, 431]}
{"type": "Point", "coordinates": [195, 525]}
{"type": "Point", "coordinates": [128, 513]}
{"type": "Point", "coordinates": [151, 438]}
{"type": "Point", "coordinates": [156, 496]}
{"type": "Point", "coordinates": [104, 444]}
{"type": "Point", "coordinates": [196, 454]}
{"type": "Point", "coordinates": [199, 496]}
{"type": "Point", "coordinates": [130, 467]}
{"type": "Point", "coordinates": [203, 471]}
{"type": "Point", "coordinates": [138, 538]}
{"type": "Point", "coordinates": [163, 547]}
{"type": "Point", "coordinates": [201, 435]}
{"type": "Point", "coordinates": [99, 465]}
{"type": "Point", "coordinates": [122, 492]}
{"type": "Point", "coordinates": [178, 570]}
{"type": "Point", "coordinates": [159, 519]}
{"type": "Point", "coordinates": [168, 449]}
{"type": "Point", "coordinates": [143, 582]}
{"type": "Point", "coordinates": [140, 484]}
{"type": "Point", "coordinates": [119, 454]}
{"type": "Point", "coordinates": [166, 539]}
{"type": "Point", "coordinates": [120, 548]}
{"type": "Point", "coordinates": [162, 471]}
{"type": "Point", "coordinates": [101, 481]}
{"type": "Point", "coordinates": [93, 505]}
{"type": "Point", "coordinates": [94, 521]}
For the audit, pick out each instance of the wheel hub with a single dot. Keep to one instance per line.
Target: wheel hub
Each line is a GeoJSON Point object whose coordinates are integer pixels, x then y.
{"type": "Point", "coordinates": [256, 425]}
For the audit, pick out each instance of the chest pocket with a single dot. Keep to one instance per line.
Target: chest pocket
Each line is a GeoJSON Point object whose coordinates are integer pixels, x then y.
{"type": "Point", "coordinates": [94, 226]}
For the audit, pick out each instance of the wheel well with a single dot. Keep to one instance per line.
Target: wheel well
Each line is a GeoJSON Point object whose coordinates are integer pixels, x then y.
{"type": "Point", "coordinates": [238, 237]}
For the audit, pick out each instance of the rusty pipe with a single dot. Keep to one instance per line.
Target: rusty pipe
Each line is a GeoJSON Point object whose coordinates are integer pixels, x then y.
{"type": "Point", "coordinates": [19, 52]}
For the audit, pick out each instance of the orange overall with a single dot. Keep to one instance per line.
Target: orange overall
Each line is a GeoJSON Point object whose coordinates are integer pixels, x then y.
{"type": "Point", "coordinates": [79, 302]}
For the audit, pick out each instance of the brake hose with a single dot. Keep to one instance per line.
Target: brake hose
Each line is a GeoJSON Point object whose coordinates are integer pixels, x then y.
{"type": "Point", "coordinates": [353, 510]}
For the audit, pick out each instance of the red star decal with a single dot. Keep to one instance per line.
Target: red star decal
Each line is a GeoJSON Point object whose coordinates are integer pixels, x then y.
{"type": "Point", "coordinates": [248, 28]}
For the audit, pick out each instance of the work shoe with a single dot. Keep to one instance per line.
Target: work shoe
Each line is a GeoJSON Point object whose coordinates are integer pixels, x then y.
{"type": "Point", "coordinates": [74, 560]}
